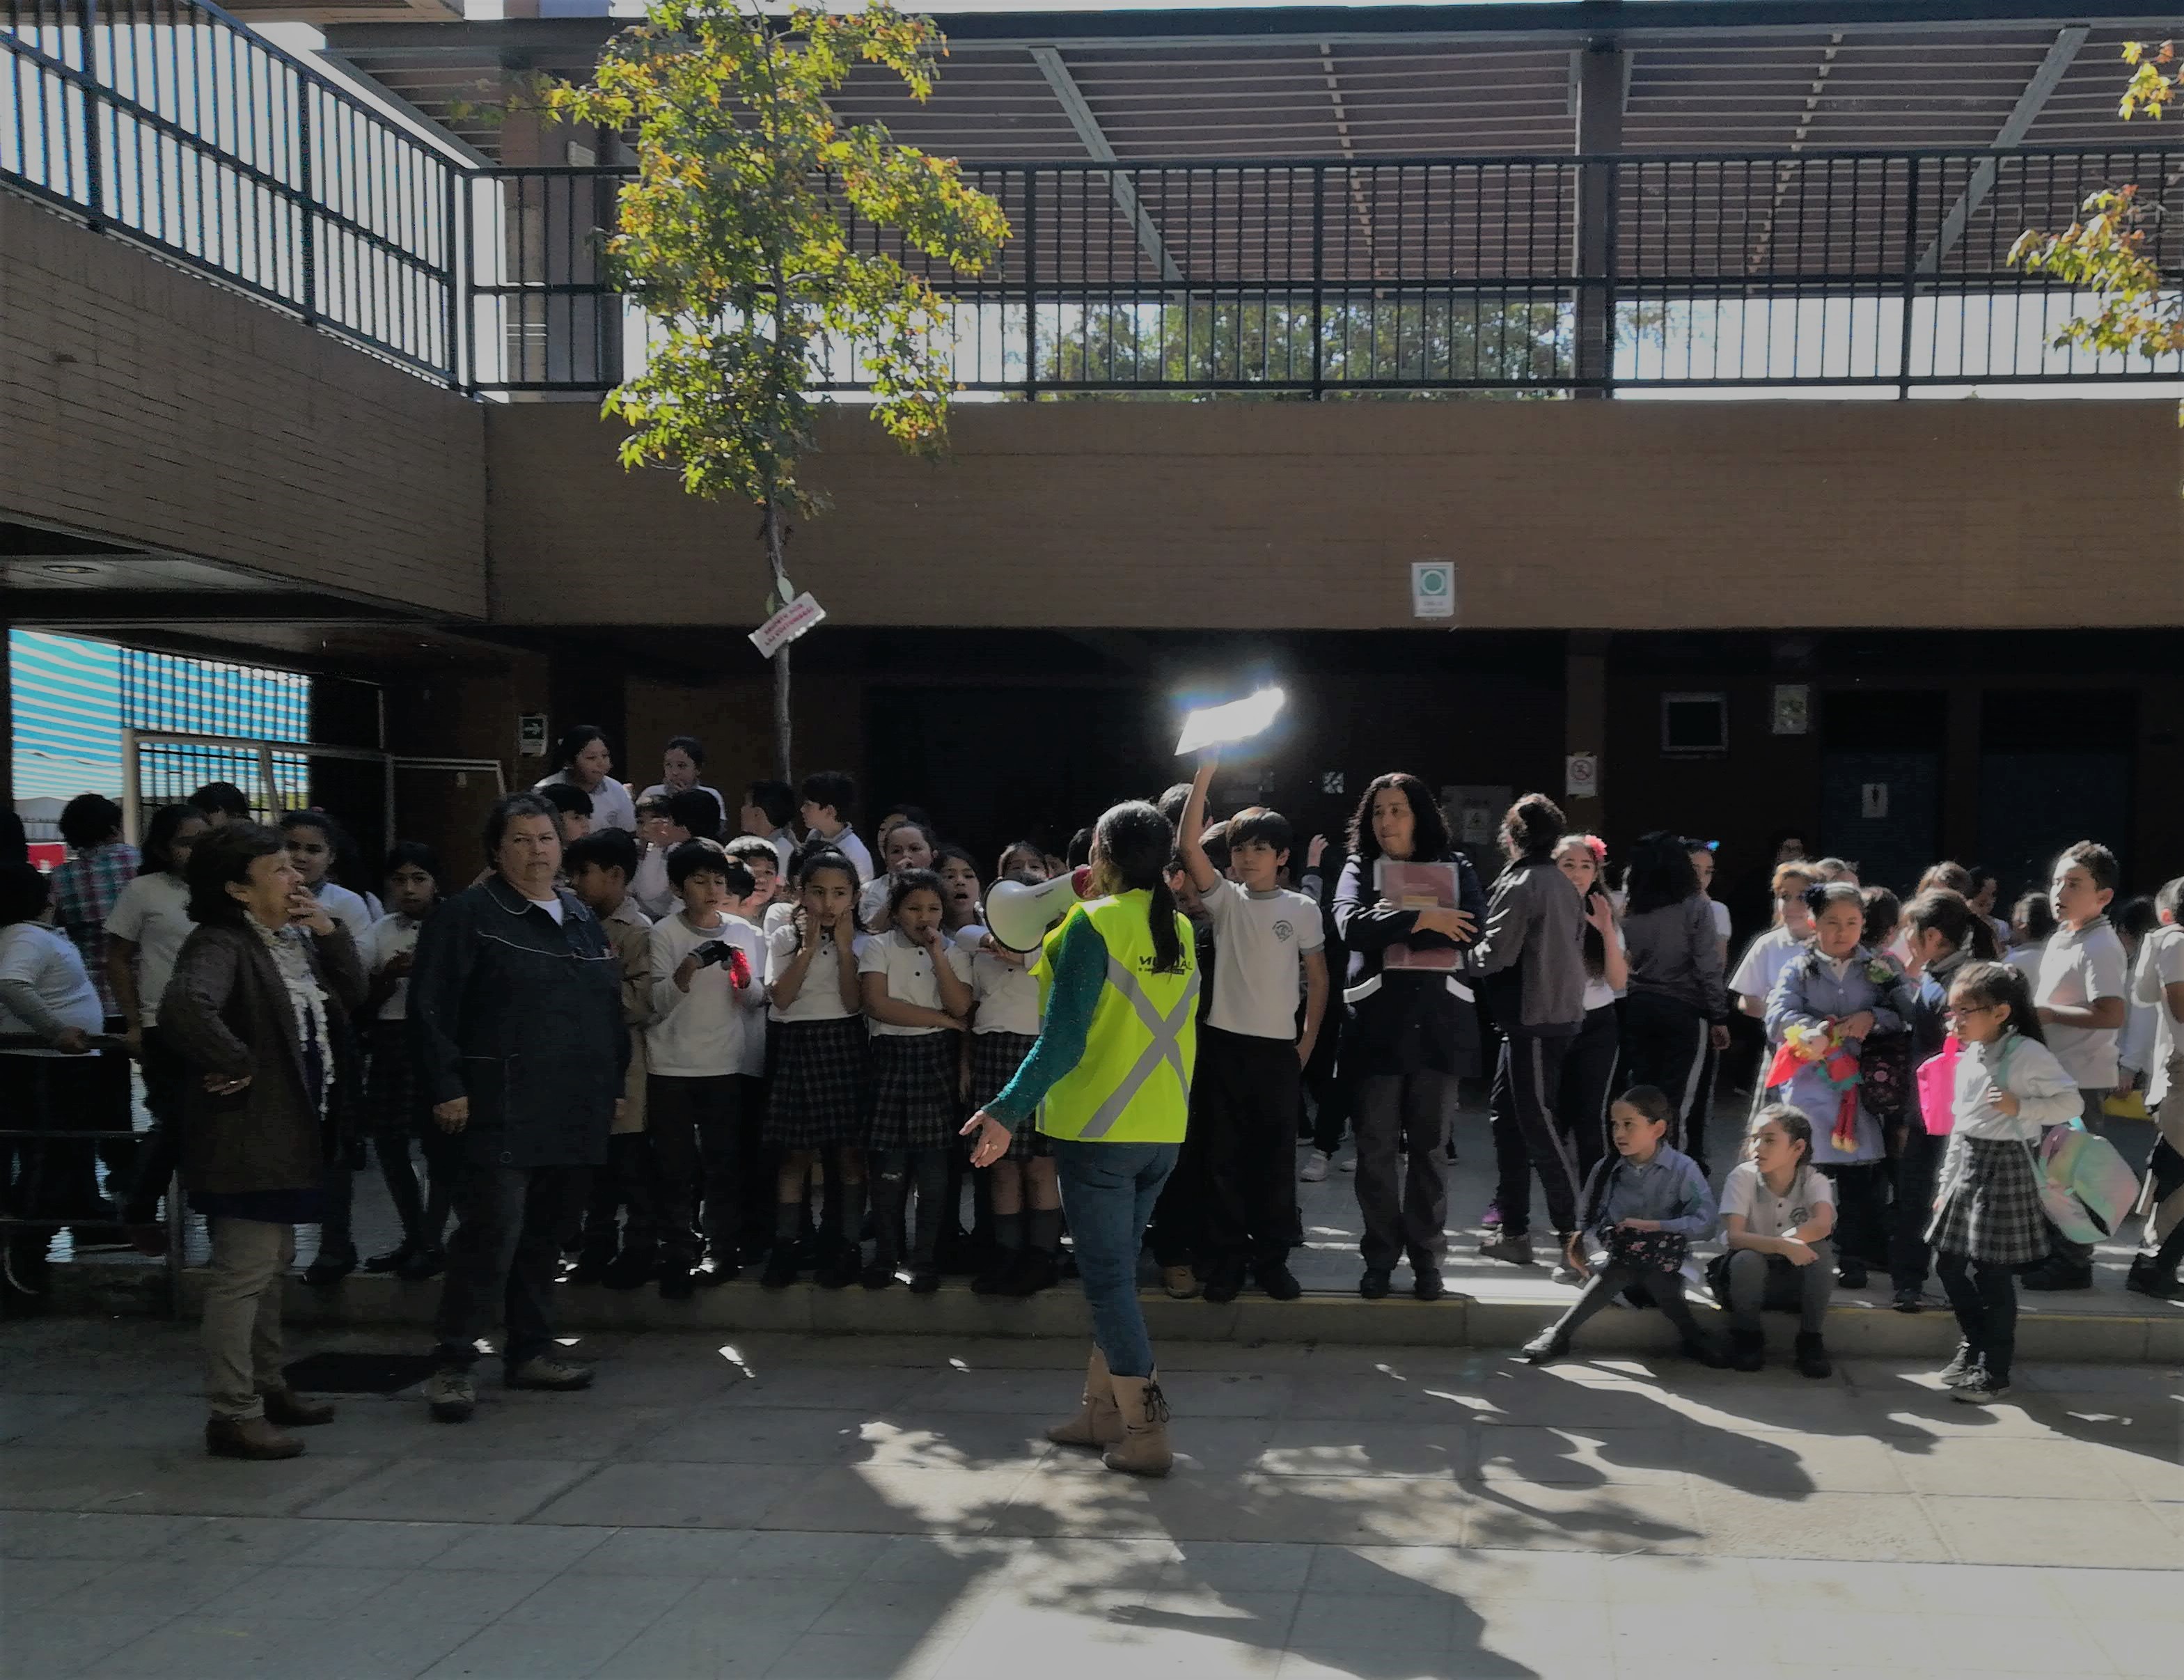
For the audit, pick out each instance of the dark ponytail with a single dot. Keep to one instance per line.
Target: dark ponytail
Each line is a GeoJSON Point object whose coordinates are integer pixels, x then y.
{"type": "Point", "coordinates": [1939, 909]}
{"type": "Point", "coordinates": [1137, 842]}
{"type": "Point", "coordinates": [1994, 983]}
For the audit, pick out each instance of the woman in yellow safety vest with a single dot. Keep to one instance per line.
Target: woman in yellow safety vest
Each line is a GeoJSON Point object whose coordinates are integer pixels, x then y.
{"type": "Point", "coordinates": [1109, 1080]}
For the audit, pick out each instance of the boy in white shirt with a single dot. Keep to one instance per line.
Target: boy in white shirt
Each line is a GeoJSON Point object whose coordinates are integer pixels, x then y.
{"type": "Point", "coordinates": [1269, 946]}
{"type": "Point", "coordinates": [2079, 996]}
{"type": "Point", "coordinates": [704, 1002]}
{"type": "Point", "coordinates": [829, 797]}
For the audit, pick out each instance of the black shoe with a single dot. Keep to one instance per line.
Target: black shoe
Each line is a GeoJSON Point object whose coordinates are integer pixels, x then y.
{"type": "Point", "coordinates": [839, 1271]}
{"type": "Point", "coordinates": [924, 1280]}
{"type": "Point", "coordinates": [1225, 1283]}
{"type": "Point", "coordinates": [2146, 1277]}
{"type": "Point", "coordinates": [1980, 1388]}
{"type": "Point", "coordinates": [324, 1273]}
{"type": "Point", "coordinates": [1748, 1350]}
{"type": "Point", "coordinates": [711, 1272]}
{"type": "Point", "coordinates": [780, 1269]}
{"type": "Point", "coordinates": [1812, 1356]}
{"type": "Point", "coordinates": [1426, 1282]}
{"type": "Point", "coordinates": [1702, 1350]}
{"type": "Point", "coordinates": [424, 1264]}
{"type": "Point", "coordinates": [1373, 1286]}
{"type": "Point", "coordinates": [631, 1269]}
{"type": "Point", "coordinates": [1279, 1282]}
{"type": "Point", "coordinates": [393, 1260]}
{"type": "Point", "coordinates": [1035, 1269]}
{"type": "Point", "coordinates": [1909, 1300]}
{"type": "Point", "coordinates": [994, 1280]}
{"type": "Point", "coordinates": [1851, 1274]}
{"type": "Point", "coordinates": [2056, 1275]}
{"type": "Point", "coordinates": [675, 1281]}
{"type": "Point", "coordinates": [588, 1273]}
{"type": "Point", "coordinates": [879, 1274]}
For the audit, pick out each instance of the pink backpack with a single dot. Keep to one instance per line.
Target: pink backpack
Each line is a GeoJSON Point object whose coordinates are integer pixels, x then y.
{"type": "Point", "coordinates": [1937, 1089]}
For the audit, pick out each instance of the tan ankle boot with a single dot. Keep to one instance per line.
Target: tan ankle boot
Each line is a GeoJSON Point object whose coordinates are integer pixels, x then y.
{"type": "Point", "coordinates": [1097, 1423]}
{"type": "Point", "coordinates": [1144, 1450]}
{"type": "Point", "coordinates": [248, 1438]}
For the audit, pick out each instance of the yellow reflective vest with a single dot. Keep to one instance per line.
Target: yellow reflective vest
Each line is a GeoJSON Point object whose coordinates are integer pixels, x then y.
{"type": "Point", "coordinates": [1133, 1083]}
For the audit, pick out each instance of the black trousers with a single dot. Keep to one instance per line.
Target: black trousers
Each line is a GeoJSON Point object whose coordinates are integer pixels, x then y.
{"type": "Point", "coordinates": [1178, 1228]}
{"type": "Point", "coordinates": [1664, 1044]}
{"type": "Point", "coordinates": [1985, 1299]}
{"type": "Point", "coordinates": [56, 1095]}
{"type": "Point", "coordinates": [1403, 1210]}
{"type": "Point", "coordinates": [697, 1147]}
{"type": "Point", "coordinates": [1862, 1232]}
{"type": "Point", "coordinates": [1530, 1134]}
{"type": "Point", "coordinates": [504, 1256]}
{"type": "Point", "coordinates": [159, 1151]}
{"type": "Point", "coordinates": [629, 1180]}
{"type": "Point", "coordinates": [1588, 1076]}
{"type": "Point", "coordinates": [1916, 1168]}
{"type": "Point", "coordinates": [1245, 1095]}
{"type": "Point", "coordinates": [1323, 1078]}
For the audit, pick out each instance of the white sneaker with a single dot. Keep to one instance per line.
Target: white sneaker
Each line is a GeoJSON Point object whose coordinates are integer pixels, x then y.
{"type": "Point", "coordinates": [1350, 1163]}
{"type": "Point", "coordinates": [1314, 1171]}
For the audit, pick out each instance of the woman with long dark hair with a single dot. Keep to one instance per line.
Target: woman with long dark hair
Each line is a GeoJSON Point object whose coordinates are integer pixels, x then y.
{"type": "Point", "coordinates": [252, 1008]}
{"type": "Point", "coordinates": [583, 759]}
{"type": "Point", "coordinates": [1531, 955]}
{"type": "Point", "coordinates": [1412, 1033]}
{"type": "Point", "coordinates": [1676, 1006]}
{"type": "Point", "coordinates": [1110, 1081]}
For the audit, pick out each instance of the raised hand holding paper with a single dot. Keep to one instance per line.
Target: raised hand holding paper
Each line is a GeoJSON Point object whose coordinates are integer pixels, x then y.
{"type": "Point", "coordinates": [1238, 720]}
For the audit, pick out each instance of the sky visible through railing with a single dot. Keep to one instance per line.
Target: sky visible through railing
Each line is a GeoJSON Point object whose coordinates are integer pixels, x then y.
{"type": "Point", "coordinates": [1784, 345]}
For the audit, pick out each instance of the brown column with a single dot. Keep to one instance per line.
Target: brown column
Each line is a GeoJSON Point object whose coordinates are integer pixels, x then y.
{"type": "Point", "coordinates": [1585, 722]}
{"type": "Point", "coordinates": [1601, 70]}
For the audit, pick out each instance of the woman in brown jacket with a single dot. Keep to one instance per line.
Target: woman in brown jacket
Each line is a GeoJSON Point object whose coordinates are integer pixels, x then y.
{"type": "Point", "coordinates": [250, 1009]}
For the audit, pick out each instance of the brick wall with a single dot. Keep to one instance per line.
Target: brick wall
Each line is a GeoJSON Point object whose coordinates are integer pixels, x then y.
{"type": "Point", "coordinates": [1617, 516]}
{"type": "Point", "coordinates": [143, 403]}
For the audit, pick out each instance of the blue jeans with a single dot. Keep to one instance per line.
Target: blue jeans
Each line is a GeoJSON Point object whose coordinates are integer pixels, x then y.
{"type": "Point", "coordinates": [1107, 1192]}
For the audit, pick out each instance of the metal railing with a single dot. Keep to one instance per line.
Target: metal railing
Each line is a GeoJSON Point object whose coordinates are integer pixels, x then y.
{"type": "Point", "coordinates": [170, 123]}
{"type": "Point", "coordinates": [167, 121]}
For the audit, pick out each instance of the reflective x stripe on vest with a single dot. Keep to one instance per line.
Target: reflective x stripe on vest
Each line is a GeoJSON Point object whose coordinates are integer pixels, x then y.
{"type": "Point", "coordinates": [1166, 1045]}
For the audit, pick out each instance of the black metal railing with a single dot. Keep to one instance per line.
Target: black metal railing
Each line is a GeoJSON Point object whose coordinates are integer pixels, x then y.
{"type": "Point", "coordinates": [171, 123]}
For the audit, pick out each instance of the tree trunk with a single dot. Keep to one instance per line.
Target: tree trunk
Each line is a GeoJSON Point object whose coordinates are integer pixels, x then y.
{"type": "Point", "coordinates": [781, 736]}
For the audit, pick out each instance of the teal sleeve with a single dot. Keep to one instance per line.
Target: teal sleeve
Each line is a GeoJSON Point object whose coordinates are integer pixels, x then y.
{"type": "Point", "coordinates": [1080, 971]}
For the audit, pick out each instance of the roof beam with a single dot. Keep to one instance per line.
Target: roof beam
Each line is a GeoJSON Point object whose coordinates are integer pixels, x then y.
{"type": "Point", "coordinates": [2014, 127]}
{"type": "Point", "coordinates": [1080, 112]}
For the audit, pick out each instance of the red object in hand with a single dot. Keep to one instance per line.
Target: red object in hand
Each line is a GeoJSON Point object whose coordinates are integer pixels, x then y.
{"type": "Point", "coordinates": [738, 969]}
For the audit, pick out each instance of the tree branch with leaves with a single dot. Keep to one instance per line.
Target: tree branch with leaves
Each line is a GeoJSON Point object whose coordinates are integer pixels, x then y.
{"type": "Point", "coordinates": [734, 239]}
{"type": "Point", "coordinates": [2109, 251]}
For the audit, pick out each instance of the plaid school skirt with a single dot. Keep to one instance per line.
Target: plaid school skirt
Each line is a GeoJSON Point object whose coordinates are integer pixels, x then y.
{"type": "Point", "coordinates": [821, 1073]}
{"type": "Point", "coordinates": [1989, 1210]}
{"type": "Point", "coordinates": [914, 1103]}
{"type": "Point", "coordinates": [994, 1058]}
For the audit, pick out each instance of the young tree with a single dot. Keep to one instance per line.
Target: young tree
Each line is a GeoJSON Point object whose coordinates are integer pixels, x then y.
{"type": "Point", "coordinates": [2109, 251]}
{"type": "Point", "coordinates": [734, 238]}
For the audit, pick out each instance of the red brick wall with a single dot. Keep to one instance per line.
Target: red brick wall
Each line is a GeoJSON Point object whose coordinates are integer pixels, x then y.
{"type": "Point", "coordinates": [142, 403]}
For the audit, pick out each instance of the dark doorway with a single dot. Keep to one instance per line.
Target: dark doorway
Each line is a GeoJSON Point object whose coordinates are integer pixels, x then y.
{"type": "Point", "coordinates": [2055, 767]}
{"type": "Point", "coordinates": [1881, 782]}
{"type": "Point", "coordinates": [998, 763]}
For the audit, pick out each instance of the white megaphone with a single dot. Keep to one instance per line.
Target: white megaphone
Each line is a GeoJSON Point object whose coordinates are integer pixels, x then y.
{"type": "Point", "coordinates": [1019, 916]}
